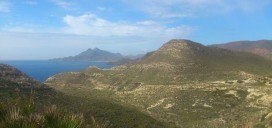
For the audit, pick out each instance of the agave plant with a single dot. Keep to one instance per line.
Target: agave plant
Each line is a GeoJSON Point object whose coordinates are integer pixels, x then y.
{"type": "Point", "coordinates": [99, 124]}
{"type": "Point", "coordinates": [13, 118]}
{"type": "Point", "coordinates": [54, 118]}
{"type": "Point", "coordinates": [71, 121]}
{"type": "Point", "coordinates": [50, 117]}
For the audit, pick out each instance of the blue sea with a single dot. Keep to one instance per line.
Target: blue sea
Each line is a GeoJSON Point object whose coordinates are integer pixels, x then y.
{"type": "Point", "coordinates": [42, 69]}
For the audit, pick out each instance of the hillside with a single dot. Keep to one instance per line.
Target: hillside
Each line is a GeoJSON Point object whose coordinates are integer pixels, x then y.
{"type": "Point", "coordinates": [179, 61]}
{"type": "Point", "coordinates": [260, 47]}
{"type": "Point", "coordinates": [17, 90]}
{"type": "Point", "coordinates": [182, 61]}
{"type": "Point", "coordinates": [183, 83]}
{"type": "Point", "coordinates": [93, 55]}
{"type": "Point", "coordinates": [10, 74]}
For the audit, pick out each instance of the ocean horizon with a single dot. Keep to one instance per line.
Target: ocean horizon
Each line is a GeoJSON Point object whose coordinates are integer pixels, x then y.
{"type": "Point", "coordinates": [40, 70]}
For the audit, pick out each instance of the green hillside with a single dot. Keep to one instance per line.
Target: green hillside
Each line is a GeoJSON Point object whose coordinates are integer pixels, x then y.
{"type": "Point", "coordinates": [176, 62]}
{"type": "Point", "coordinates": [184, 84]}
{"type": "Point", "coordinates": [16, 91]}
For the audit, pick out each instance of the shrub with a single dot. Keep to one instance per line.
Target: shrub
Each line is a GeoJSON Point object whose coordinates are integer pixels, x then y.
{"type": "Point", "coordinates": [50, 117]}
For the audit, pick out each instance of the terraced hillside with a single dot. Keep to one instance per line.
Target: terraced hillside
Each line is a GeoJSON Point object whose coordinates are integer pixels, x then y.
{"type": "Point", "coordinates": [184, 84]}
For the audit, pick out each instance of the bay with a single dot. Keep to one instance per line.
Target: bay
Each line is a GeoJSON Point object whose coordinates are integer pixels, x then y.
{"type": "Point", "coordinates": [42, 69]}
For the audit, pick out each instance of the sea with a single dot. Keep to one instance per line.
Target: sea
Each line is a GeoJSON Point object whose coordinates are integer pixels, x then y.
{"type": "Point", "coordinates": [40, 70]}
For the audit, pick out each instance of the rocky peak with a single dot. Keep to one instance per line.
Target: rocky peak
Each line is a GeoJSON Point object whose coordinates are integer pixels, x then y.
{"type": "Point", "coordinates": [93, 50]}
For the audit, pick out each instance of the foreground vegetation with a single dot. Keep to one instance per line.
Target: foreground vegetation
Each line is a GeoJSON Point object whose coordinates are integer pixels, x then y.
{"type": "Point", "coordinates": [15, 113]}
{"type": "Point", "coordinates": [23, 100]}
{"type": "Point", "coordinates": [44, 107]}
{"type": "Point", "coordinates": [50, 117]}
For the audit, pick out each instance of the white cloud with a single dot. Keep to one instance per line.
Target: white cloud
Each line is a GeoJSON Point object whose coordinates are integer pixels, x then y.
{"type": "Point", "coordinates": [101, 8]}
{"type": "Point", "coordinates": [188, 8]}
{"type": "Point", "coordinates": [90, 24]}
{"type": "Point", "coordinates": [147, 22]}
{"type": "Point", "coordinates": [31, 2]}
{"type": "Point", "coordinates": [252, 5]}
{"type": "Point", "coordinates": [4, 6]}
{"type": "Point", "coordinates": [86, 31]}
{"type": "Point", "coordinates": [63, 4]}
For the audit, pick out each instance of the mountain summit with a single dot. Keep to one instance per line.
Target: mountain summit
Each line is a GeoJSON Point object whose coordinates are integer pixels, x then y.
{"type": "Point", "coordinates": [174, 50]}
{"type": "Point", "coordinates": [184, 60]}
{"type": "Point", "coordinates": [94, 55]}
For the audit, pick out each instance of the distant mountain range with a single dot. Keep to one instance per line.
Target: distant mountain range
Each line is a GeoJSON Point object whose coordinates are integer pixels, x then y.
{"type": "Point", "coordinates": [99, 55]}
{"type": "Point", "coordinates": [260, 47]}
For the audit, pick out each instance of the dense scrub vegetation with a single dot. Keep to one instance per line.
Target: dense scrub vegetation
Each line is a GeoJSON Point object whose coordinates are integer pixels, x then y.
{"type": "Point", "coordinates": [21, 107]}
{"type": "Point", "coordinates": [15, 113]}
{"type": "Point", "coordinates": [25, 101]}
{"type": "Point", "coordinates": [50, 117]}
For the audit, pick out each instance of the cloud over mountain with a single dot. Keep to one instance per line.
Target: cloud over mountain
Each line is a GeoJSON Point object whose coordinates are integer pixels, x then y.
{"type": "Point", "coordinates": [91, 24]}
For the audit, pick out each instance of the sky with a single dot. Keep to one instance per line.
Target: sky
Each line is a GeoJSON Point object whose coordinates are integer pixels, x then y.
{"type": "Point", "coordinates": [44, 29]}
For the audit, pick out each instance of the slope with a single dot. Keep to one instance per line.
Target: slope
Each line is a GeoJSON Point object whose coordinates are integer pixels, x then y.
{"type": "Point", "coordinates": [10, 74]}
{"type": "Point", "coordinates": [183, 83]}
{"type": "Point", "coordinates": [260, 47]}
{"type": "Point", "coordinates": [183, 61]}
{"type": "Point", "coordinates": [17, 90]}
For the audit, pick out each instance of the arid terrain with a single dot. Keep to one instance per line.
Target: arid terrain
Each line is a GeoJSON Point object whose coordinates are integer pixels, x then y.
{"type": "Point", "coordinates": [183, 84]}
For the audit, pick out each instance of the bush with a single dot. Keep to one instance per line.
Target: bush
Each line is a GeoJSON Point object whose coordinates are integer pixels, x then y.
{"type": "Point", "coordinates": [15, 118]}
{"type": "Point", "coordinates": [50, 117]}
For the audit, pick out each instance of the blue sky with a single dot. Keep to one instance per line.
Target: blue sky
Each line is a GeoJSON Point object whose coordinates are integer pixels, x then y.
{"type": "Point", "coordinates": [42, 29]}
